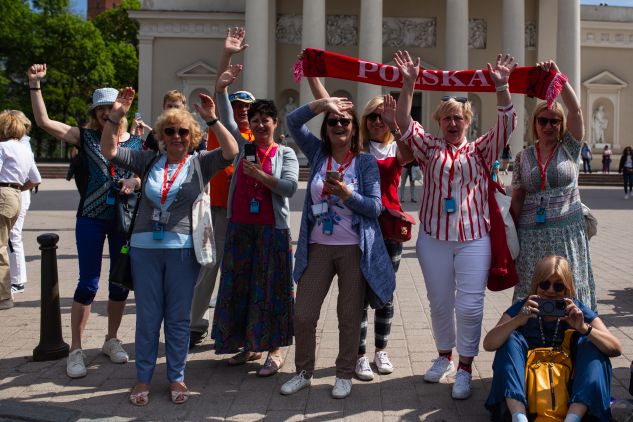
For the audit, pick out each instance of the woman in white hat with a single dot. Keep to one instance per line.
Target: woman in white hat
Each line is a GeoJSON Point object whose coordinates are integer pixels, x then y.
{"type": "Point", "coordinates": [98, 187]}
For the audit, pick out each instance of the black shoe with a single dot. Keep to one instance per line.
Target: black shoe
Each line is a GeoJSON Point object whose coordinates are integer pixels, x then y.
{"type": "Point", "coordinates": [413, 200]}
{"type": "Point", "coordinates": [195, 338]}
{"type": "Point", "coordinates": [17, 288]}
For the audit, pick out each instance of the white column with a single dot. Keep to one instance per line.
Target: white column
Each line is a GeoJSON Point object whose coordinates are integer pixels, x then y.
{"type": "Point", "coordinates": [369, 46]}
{"type": "Point", "coordinates": [456, 48]}
{"type": "Point", "coordinates": [568, 51]}
{"type": "Point", "coordinates": [547, 31]}
{"type": "Point", "coordinates": [313, 36]}
{"type": "Point", "coordinates": [145, 65]}
{"type": "Point", "coordinates": [513, 42]}
{"type": "Point", "coordinates": [256, 61]}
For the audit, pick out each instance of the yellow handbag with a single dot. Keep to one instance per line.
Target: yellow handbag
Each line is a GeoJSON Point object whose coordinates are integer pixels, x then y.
{"type": "Point", "coordinates": [547, 374]}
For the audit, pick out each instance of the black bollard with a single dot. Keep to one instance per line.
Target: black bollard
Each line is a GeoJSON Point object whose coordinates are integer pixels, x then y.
{"type": "Point", "coordinates": [52, 345]}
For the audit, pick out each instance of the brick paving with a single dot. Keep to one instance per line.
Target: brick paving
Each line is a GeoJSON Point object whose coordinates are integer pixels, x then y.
{"type": "Point", "coordinates": [42, 391]}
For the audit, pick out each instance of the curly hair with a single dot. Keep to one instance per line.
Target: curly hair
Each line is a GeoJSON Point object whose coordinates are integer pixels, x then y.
{"type": "Point", "coordinates": [176, 117]}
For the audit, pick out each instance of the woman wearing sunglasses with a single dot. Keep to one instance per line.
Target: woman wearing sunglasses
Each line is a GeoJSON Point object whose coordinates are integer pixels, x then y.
{"type": "Point", "coordinates": [339, 236]}
{"type": "Point", "coordinates": [453, 245]}
{"type": "Point", "coordinates": [523, 327]}
{"type": "Point", "coordinates": [164, 265]}
{"type": "Point", "coordinates": [545, 195]}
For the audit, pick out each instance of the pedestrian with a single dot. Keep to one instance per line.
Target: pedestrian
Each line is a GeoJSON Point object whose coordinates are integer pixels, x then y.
{"type": "Point", "coordinates": [164, 265]}
{"type": "Point", "coordinates": [409, 172]}
{"type": "Point", "coordinates": [606, 159]}
{"type": "Point", "coordinates": [506, 156]}
{"type": "Point", "coordinates": [626, 168]}
{"type": "Point", "coordinates": [585, 154]}
{"type": "Point", "coordinates": [453, 245]}
{"type": "Point", "coordinates": [98, 188]}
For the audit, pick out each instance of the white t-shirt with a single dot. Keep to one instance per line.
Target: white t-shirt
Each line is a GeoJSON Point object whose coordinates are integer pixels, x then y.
{"type": "Point", "coordinates": [17, 164]}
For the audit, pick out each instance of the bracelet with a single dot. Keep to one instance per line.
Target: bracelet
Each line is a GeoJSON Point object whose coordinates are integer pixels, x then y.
{"type": "Point", "coordinates": [396, 132]}
{"type": "Point", "coordinates": [113, 122]}
{"type": "Point", "coordinates": [501, 88]}
{"type": "Point", "coordinates": [34, 88]}
{"type": "Point", "coordinates": [212, 122]}
{"type": "Point", "coordinates": [588, 331]}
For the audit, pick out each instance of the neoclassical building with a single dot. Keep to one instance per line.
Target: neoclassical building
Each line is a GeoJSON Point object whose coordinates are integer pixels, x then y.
{"type": "Point", "coordinates": [180, 44]}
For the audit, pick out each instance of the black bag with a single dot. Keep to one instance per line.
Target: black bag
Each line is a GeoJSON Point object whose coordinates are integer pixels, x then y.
{"type": "Point", "coordinates": [121, 274]}
{"type": "Point", "coordinates": [124, 208]}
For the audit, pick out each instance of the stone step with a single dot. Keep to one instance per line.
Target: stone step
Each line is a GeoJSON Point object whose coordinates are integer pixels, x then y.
{"type": "Point", "coordinates": [600, 179]}
{"type": "Point", "coordinates": [53, 170]}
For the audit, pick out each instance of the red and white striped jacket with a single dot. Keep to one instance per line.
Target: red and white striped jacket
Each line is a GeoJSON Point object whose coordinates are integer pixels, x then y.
{"type": "Point", "coordinates": [469, 185]}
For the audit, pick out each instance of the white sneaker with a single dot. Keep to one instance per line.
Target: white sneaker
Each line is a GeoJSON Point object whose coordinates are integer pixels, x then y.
{"type": "Point", "coordinates": [441, 368]}
{"type": "Point", "coordinates": [384, 365]}
{"type": "Point", "coordinates": [75, 366]}
{"type": "Point", "coordinates": [296, 383]}
{"type": "Point", "coordinates": [363, 370]}
{"type": "Point", "coordinates": [626, 196]}
{"type": "Point", "coordinates": [461, 388]}
{"type": "Point", "coordinates": [115, 351]}
{"type": "Point", "coordinates": [342, 388]}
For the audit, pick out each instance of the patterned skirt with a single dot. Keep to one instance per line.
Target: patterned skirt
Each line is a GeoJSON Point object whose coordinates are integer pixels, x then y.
{"type": "Point", "coordinates": [567, 239]}
{"type": "Point", "coordinates": [255, 305]}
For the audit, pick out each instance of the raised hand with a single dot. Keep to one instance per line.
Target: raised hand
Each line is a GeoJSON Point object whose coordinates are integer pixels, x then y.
{"type": "Point", "coordinates": [336, 105]}
{"type": "Point", "coordinates": [234, 41]}
{"type": "Point", "coordinates": [500, 73]}
{"type": "Point", "coordinates": [408, 68]}
{"type": "Point", "coordinates": [206, 108]}
{"type": "Point", "coordinates": [36, 72]}
{"type": "Point", "coordinates": [547, 65]}
{"type": "Point", "coordinates": [228, 77]}
{"type": "Point", "coordinates": [122, 104]}
{"type": "Point", "coordinates": [389, 112]}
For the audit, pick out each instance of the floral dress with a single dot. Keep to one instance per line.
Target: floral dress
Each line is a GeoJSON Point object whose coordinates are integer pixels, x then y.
{"type": "Point", "coordinates": [563, 232]}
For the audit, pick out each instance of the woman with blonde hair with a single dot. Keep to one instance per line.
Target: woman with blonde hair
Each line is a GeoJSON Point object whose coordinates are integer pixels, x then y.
{"type": "Point", "coordinates": [522, 327]}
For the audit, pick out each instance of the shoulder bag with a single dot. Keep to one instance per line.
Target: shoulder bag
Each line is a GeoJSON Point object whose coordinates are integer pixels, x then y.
{"type": "Point", "coordinates": [201, 222]}
{"type": "Point", "coordinates": [396, 225]}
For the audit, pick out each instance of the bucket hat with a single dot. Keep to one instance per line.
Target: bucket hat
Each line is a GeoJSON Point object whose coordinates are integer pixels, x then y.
{"type": "Point", "coordinates": [243, 96]}
{"type": "Point", "coordinates": [103, 96]}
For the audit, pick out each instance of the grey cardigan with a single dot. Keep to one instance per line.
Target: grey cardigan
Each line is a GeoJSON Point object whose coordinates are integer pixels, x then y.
{"type": "Point", "coordinates": [180, 210]}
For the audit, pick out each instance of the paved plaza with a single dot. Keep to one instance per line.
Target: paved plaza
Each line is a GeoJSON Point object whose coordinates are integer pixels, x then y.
{"type": "Point", "coordinates": [42, 391]}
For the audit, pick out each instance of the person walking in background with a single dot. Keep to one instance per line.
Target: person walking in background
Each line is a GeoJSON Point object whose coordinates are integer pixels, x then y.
{"type": "Point", "coordinates": [585, 154]}
{"type": "Point", "coordinates": [409, 172]}
{"type": "Point", "coordinates": [606, 159]}
{"type": "Point", "coordinates": [626, 168]}
{"type": "Point", "coordinates": [506, 156]}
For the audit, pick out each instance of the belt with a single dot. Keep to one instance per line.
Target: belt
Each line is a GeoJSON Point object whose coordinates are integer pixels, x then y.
{"type": "Point", "coordinates": [11, 185]}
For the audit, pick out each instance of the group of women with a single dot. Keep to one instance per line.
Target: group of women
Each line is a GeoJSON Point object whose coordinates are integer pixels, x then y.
{"type": "Point", "coordinates": [355, 168]}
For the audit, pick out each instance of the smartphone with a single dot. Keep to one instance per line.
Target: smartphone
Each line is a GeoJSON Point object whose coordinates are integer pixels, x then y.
{"type": "Point", "coordinates": [551, 307]}
{"type": "Point", "coordinates": [138, 115]}
{"type": "Point", "coordinates": [333, 175]}
{"type": "Point", "coordinates": [250, 152]}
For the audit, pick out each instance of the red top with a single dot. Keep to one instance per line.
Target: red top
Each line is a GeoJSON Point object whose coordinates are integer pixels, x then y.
{"type": "Point", "coordinates": [390, 170]}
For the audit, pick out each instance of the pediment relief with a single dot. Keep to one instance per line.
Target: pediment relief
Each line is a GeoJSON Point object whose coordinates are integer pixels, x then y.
{"type": "Point", "coordinates": [605, 79]}
{"type": "Point", "coordinates": [198, 69]}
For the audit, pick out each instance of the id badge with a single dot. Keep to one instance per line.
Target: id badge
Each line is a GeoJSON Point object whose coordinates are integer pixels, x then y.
{"type": "Point", "coordinates": [164, 217]}
{"type": "Point", "coordinates": [328, 225]}
{"type": "Point", "coordinates": [541, 215]}
{"type": "Point", "coordinates": [156, 215]}
{"type": "Point", "coordinates": [450, 205]}
{"type": "Point", "coordinates": [158, 232]}
{"type": "Point", "coordinates": [110, 198]}
{"type": "Point", "coordinates": [254, 206]}
{"type": "Point", "coordinates": [319, 209]}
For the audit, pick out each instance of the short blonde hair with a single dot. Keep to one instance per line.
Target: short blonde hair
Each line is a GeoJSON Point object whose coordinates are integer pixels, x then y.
{"type": "Point", "coordinates": [176, 116]}
{"type": "Point", "coordinates": [556, 108]}
{"type": "Point", "coordinates": [371, 106]}
{"type": "Point", "coordinates": [23, 118]}
{"type": "Point", "coordinates": [174, 95]}
{"type": "Point", "coordinates": [11, 126]}
{"type": "Point", "coordinates": [557, 266]}
{"type": "Point", "coordinates": [450, 106]}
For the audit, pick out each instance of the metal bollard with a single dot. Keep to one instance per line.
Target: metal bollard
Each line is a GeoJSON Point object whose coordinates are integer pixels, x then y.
{"type": "Point", "coordinates": [52, 345]}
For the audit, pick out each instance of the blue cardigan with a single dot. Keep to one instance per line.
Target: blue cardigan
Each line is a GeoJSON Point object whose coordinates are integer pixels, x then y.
{"type": "Point", "coordinates": [365, 203]}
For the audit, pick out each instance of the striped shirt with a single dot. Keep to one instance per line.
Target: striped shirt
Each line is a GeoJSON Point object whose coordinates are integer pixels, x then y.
{"type": "Point", "coordinates": [469, 187]}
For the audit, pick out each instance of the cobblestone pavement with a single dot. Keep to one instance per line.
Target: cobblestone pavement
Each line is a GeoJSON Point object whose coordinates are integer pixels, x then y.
{"type": "Point", "coordinates": [42, 391]}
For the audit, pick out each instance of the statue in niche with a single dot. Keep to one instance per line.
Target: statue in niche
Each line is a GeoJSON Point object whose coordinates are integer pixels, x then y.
{"type": "Point", "coordinates": [473, 129]}
{"type": "Point", "coordinates": [478, 30]}
{"type": "Point", "coordinates": [289, 107]}
{"type": "Point", "coordinates": [599, 124]}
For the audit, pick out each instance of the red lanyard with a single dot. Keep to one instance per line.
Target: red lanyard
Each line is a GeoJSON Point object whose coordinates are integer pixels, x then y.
{"type": "Point", "coordinates": [542, 169]}
{"type": "Point", "coordinates": [347, 161]}
{"type": "Point", "coordinates": [266, 156]}
{"type": "Point", "coordinates": [111, 169]}
{"type": "Point", "coordinates": [167, 183]}
{"type": "Point", "coordinates": [451, 173]}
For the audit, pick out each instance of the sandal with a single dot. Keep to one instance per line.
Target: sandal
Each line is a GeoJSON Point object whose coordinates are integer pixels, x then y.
{"type": "Point", "coordinates": [244, 356]}
{"type": "Point", "coordinates": [140, 399]}
{"type": "Point", "coordinates": [272, 365]}
{"type": "Point", "coordinates": [179, 396]}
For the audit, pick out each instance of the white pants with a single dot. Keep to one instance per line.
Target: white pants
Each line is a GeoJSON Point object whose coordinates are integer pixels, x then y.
{"type": "Point", "coordinates": [17, 263]}
{"type": "Point", "coordinates": [455, 274]}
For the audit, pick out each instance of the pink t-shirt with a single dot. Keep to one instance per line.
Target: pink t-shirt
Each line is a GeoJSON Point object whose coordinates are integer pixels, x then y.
{"type": "Point", "coordinates": [343, 233]}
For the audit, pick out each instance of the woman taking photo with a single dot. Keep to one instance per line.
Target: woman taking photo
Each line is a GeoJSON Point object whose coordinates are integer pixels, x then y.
{"type": "Point", "coordinates": [545, 195]}
{"type": "Point", "coordinates": [453, 245]}
{"type": "Point", "coordinates": [95, 216]}
{"type": "Point", "coordinates": [522, 327]}
{"type": "Point", "coordinates": [339, 236]}
{"type": "Point", "coordinates": [164, 266]}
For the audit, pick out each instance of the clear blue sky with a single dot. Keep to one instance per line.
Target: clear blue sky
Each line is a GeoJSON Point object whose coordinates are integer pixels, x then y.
{"type": "Point", "coordinates": [79, 6]}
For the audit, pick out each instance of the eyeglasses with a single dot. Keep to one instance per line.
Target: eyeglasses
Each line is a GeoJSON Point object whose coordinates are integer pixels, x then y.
{"type": "Point", "coordinates": [171, 131]}
{"type": "Point", "coordinates": [545, 285]}
{"type": "Point", "coordinates": [543, 121]}
{"type": "Point", "coordinates": [343, 121]}
{"type": "Point", "coordinates": [462, 100]}
{"type": "Point", "coordinates": [242, 95]}
{"type": "Point", "coordinates": [372, 117]}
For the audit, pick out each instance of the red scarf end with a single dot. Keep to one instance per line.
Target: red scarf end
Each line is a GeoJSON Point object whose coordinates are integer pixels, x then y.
{"type": "Point", "coordinates": [555, 87]}
{"type": "Point", "coordinates": [297, 71]}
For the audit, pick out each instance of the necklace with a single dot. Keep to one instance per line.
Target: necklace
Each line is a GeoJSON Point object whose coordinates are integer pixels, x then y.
{"type": "Point", "coordinates": [540, 325]}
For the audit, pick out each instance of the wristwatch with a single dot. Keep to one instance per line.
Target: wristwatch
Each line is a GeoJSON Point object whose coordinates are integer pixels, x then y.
{"type": "Point", "coordinates": [212, 122]}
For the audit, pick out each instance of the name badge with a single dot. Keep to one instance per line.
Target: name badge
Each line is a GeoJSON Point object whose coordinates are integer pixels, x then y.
{"type": "Point", "coordinates": [328, 225]}
{"type": "Point", "coordinates": [450, 205]}
{"type": "Point", "coordinates": [110, 198]}
{"type": "Point", "coordinates": [254, 206]}
{"type": "Point", "coordinates": [158, 232]}
{"type": "Point", "coordinates": [541, 215]}
{"type": "Point", "coordinates": [156, 215]}
{"type": "Point", "coordinates": [319, 209]}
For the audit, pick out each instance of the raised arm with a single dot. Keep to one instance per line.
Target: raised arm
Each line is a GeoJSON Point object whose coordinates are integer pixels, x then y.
{"type": "Point", "coordinates": [225, 111]}
{"type": "Point", "coordinates": [500, 74]}
{"type": "Point", "coordinates": [575, 124]}
{"type": "Point", "coordinates": [110, 134]}
{"type": "Point", "coordinates": [409, 71]}
{"type": "Point", "coordinates": [233, 44]}
{"type": "Point", "coordinates": [206, 110]}
{"type": "Point", "coordinates": [59, 130]}
{"type": "Point", "coordinates": [403, 153]}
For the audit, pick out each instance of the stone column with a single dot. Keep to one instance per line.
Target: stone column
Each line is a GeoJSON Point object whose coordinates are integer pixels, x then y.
{"type": "Point", "coordinates": [546, 30]}
{"type": "Point", "coordinates": [513, 42]}
{"type": "Point", "coordinates": [456, 48]}
{"type": "Point", "coordinates": [256, 60]}
{"type": "Point", "coordinates": [568, 51]}
{"type": "Point", "coordinates": [369, 47]}
{"type": "Point", "coordinates": [145, 65]}
{"type": "Point", "coordinates": [313, 36]}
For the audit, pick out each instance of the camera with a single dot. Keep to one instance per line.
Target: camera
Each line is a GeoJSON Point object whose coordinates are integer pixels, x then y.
{"type": "Point", "coordinates": [138, 115]}
{"type": "Point", "coordinates": [250, 152]}
{"type": "Point", "coordinates": [551, 307]}
{"type": "Point", "coordinates": [333, 175]}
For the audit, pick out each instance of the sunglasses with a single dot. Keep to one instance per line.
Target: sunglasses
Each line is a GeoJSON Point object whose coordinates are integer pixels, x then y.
{"type": "Point", "coordinates": [240, 95]}
{"type": "Point", "coordinates": [372, 117]}
{"type": "Point", "coordinates": [343, 121]}
{"type": "Point", "coordinates": [543, 121]}
{"type": "Point", "coordinates": [462, 100]}
{"type": "Point", "coordinates": [171, 131]}
{"type": "Point", "coordinates": [545, 285]}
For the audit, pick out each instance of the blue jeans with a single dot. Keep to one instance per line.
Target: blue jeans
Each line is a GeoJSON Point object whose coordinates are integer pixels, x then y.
{"type": "Point", "coordinates": [90, 235]}
{"type": "Point", "coordinates": [591, 384]}
{"type": "Point", "coordinates": [628, 181]}
{"type": "Point", "coordinates": [164, 280]}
